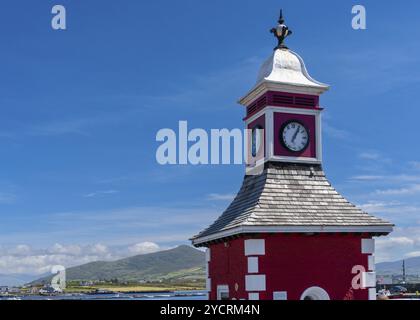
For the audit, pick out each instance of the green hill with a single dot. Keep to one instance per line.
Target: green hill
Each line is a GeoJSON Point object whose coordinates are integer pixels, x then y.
{"type": "Point", "coordinates": [183, 263]}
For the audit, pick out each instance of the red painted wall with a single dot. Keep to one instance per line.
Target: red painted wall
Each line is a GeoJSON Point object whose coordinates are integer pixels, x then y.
{"type": "Point", "coordinates": [228, 266]}
{"type": "Point", "coordinates": [292, 263]}
{"type": "Point", "coordinates": [308, 121]}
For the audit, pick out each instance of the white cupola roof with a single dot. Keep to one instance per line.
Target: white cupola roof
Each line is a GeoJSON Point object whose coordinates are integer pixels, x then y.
{"type": "Point", "coordinates": [287, 67]}
{"type": "Point", "coordinates": [284, 70]}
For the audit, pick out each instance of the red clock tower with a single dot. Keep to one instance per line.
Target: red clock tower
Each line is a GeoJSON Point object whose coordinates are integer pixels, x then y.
{"type": "Point", "coordinates": [288, 234]}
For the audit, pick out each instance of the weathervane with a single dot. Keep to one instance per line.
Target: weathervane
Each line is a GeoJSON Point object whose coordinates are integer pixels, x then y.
{"type": "Point", "coordinates": [281, 32]}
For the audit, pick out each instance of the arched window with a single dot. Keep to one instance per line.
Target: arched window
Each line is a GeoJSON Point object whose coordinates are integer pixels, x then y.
{"type": "Point", "coordinates": [315, 293]}
{"type": "Point", "coordinates": [256, 140]}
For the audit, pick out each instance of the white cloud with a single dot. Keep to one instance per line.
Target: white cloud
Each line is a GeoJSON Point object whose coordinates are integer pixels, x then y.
{"type": "Point", "coordinates": [393, 248]}
{"type": "Point", "coordinates": [218, 196]}
{"type": "Point", "coordinates": [98, 249]}
{"type": "Point", "coordinates": [68, 250]}
{"type": "Point", "coordinates": [412, 254]}
{"type": "Point", "coordinates": [100, 193]}
{"type": "Point", "coordinates": [367, 178]}
{"type": "Point", "coordinates": [143, 247]}
{"type": "Point", "coordinates": [7, 198]}
{"type": "Point", "coordinates": [411, 190]}
{"type": "Point", "coordinates": [335, 132]}
{"type": "Point", "coordinates": [396, 178]}
{"type": "Point", "coordinates": [369, 155]}
{"type": "Point", "coordinates": [24, 259]}
{"type": "Point", "coordinates": [415, 164]}
{"type": "Point", "coordinates": [402, 242]}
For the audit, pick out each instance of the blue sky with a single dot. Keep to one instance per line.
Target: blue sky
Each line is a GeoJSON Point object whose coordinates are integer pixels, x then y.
{"type": "Point", "coordinates": [80, 109]}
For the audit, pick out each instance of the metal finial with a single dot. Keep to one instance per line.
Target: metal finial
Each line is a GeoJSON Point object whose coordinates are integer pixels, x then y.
{"type": "Point", "coordinates": [281, 32]}
{"type": "Point", "coordinates": [281, 20]}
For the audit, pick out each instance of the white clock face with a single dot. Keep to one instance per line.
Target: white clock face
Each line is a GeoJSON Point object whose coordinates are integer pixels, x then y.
{"type": "Point", "coordinates": [295, 136]}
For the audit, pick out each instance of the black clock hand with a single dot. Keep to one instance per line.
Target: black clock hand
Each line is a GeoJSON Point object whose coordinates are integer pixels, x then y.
{"type": "Point", "coordinates": [295, 135]}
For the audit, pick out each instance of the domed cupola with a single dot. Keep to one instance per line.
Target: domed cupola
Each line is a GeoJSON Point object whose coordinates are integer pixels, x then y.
{"type": "Point", "coordinates": [287, 67]}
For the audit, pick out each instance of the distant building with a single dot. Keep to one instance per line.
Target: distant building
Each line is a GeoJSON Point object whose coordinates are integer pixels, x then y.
{"type": "Point", "coordinates": [49, 290]}
{"type": "Point", "coordinates": [4, 289]}
{"type": "Point", "coordinates": [9, 290]}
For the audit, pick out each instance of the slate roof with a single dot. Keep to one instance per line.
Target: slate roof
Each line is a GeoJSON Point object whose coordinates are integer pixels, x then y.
{"type": "Point", "coordinates": [290, 195]}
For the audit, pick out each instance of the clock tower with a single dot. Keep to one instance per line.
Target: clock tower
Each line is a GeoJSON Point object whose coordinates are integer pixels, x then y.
{"type": "Point", "coordinates": [288, 234]}
{"type": "Point", "coordinates": [285, 103]}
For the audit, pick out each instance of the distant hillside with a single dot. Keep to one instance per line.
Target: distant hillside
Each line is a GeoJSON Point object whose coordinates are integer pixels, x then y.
{"type": "Point", "coordinates": [412, 266]}
{"type": "Point", "coordinates": [181, 263]}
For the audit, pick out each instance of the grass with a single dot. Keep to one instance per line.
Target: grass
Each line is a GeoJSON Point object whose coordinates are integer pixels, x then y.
{"type": "Point", "coordinates": [133, 288]}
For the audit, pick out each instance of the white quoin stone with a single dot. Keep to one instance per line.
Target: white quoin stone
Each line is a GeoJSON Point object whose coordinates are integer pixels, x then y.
{"type": "Point", "coordinates": [208, 284]}
{"type": "Point", "coordinates": [368, 246]}
{"type": "Point", "coordinates": [252, 264]}
{"type": "Point", "coordinates": [368, 279]}
{"type": "Point", "coordinates": [255, 282]}
{"type": "Point", "coordinates": [253, 296]}
{"type": "Point", "coordinates": [280, 295]}
{"type": "Point", "coordinates": [208, 255]}
{"type": "Point", "coordinates": [372, 294]}
{"type": "Point", "coordinates": [371, 263]}
{"type": "Point", "coordinates": [255, 247]}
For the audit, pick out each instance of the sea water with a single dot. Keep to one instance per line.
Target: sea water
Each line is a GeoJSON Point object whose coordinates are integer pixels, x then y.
{"type": "Point", "coordinates": [178, 295]}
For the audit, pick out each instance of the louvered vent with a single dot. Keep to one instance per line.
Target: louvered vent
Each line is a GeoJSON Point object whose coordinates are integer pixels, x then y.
{"type": "Point", "coordinates": [282, 99]}
{"type": "Point", "coordinates": [257, 106]}
{"type": "Point", "coordinates": [294, 100]}
{"type": "Point", "coordinates": [304, 101]}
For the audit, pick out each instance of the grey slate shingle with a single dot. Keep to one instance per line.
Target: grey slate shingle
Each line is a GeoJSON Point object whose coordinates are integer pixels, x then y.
{"type": "Point", "coordinates": [290, 195]}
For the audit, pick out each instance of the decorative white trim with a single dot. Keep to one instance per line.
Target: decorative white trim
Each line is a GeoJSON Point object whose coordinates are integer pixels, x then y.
{"type": "Point", "coordinates": [269, 133]}
{"type": "Point", "coordinates": [208, 255]}
{"type": "Point", "coordinates": [318, 129]}
{"type": "Point", "coordinates": [253, 296]}
{"type": "Point", "coordinates": [292, 110]}
{"type": "Point", "coordinates": [371, 263]}
{"type": "Point", "coordinates": [280, 295]}
{"type": "Point", "coordinates": [295, 159]}
{"type": "Point", "coordinates": [252, 264]}
{"type": "Point", "coordinates": [315, 293]}
{"type": "Point", "coordinates": [368, 246]}
{"type": "Point", "coordinates": [255, 282]}
{"type": "Point", "coordinates": [284, 109]}
{"type": "Point", "coordinates": [221, 289]}
{"type": "Point", "coordinates": [255, 116]}
{"type": "Point", "coordinates": [372, 294]}
{"type": "Point", "coordinates": [254, 247]}
{"type": "Point", "coordinates": [293, 229]}
{"type": "Point", "coordinates": [368, 279]}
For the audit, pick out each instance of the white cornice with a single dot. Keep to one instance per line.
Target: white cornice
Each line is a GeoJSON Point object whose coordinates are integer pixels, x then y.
{"type": "Point", "coordinates": [265, 86]}
{"type": "Point", "coordinates": [385, 229]}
